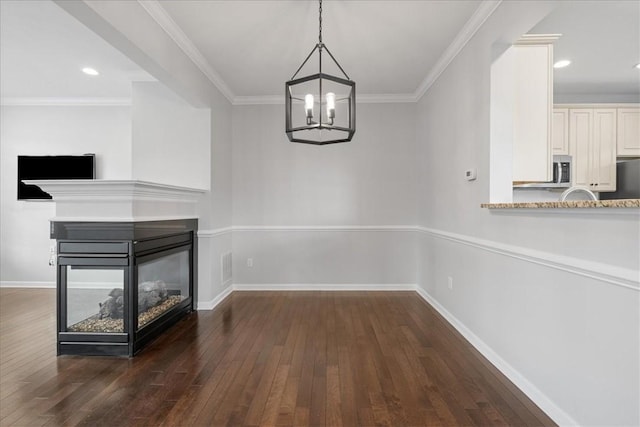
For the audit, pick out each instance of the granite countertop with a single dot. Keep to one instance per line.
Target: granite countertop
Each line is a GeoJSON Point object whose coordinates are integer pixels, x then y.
{"type": "Point", "coordinates": [621, 203]}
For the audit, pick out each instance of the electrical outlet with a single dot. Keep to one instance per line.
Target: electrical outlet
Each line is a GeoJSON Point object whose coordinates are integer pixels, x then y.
{"type": "Point", "coordinates": [450, 282]}
{"type": "Point", "coordinates": [52, 256]}
{"type": "Point", "coordinates": [249, 262]}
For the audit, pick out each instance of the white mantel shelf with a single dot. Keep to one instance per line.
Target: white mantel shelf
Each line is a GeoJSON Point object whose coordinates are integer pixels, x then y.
{"type": "Point", "coordinates": [116, 200]}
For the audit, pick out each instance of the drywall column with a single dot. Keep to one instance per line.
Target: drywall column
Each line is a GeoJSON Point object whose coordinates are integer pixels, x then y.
{"type": "Point", "coordinates": [171, 139]}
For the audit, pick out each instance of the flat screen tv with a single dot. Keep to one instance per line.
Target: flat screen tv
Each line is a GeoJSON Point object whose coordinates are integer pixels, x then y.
{"type": "Point", "coordinates": [52, 167]}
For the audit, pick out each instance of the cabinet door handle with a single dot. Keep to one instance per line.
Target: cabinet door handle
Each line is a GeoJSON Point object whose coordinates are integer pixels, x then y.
{"type": "Point", "coordinates": [596, 184]}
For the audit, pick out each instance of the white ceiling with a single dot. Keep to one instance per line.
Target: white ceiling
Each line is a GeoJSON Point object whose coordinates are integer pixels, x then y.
{"type": "Point", "coordinates": [602, 39]}
{"type": "Point", "coordinates": [42, 52]}
{"type": "Point", "coordinates": [250, 48]}
{"type": "Point", "coordinates": [387, 47]}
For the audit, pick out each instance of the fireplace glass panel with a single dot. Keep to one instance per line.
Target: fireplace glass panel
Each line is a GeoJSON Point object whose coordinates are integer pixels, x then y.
{"type": "Point", "coordinates": [95, 299]}
{"type": "Point", "coordinates": [162, 284]}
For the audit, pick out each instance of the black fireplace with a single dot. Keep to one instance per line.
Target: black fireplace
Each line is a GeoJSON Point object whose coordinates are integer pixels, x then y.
{"type": "Point", "coordinates": [121, 284]}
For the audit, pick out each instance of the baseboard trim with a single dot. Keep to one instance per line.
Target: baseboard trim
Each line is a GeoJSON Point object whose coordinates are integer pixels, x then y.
{"type": "Point", "coordinates": [537, 396]}
{"type": "Point", "coordinates": [334, 228]}
{"type": "Point", "coordinates": [210, 305]}
{"type": "Point", "coordinates": [30, 284]}
{"type": "Point", "coordinates": [324, 287]}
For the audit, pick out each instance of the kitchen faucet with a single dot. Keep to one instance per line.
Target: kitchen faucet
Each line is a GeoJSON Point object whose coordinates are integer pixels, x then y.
{"type": "Point", "coordinates": [575, 188]}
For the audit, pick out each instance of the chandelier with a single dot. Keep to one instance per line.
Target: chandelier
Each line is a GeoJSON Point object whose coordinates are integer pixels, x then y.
{"type": "Point", "coordinates": [320, 108]}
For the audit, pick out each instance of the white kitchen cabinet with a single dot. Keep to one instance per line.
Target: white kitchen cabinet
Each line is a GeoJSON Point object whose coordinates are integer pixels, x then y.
{"type": "Point", "coordinates": [592, 144]}
{"type": "Point", "coordinates": [628, 144]}
{"type": "Point", "coordinates": [533, 102]}
{"type": "Point", "coordinates": [560, 131]}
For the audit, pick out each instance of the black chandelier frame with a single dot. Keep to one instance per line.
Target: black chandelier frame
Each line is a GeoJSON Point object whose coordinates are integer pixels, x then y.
{"type": "Point", "coordinates": [350, 86]}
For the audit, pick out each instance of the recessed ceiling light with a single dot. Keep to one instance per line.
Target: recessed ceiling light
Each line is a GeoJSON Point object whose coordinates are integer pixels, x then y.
{"type": "Point", "coordinates": [638, 65]}
{"type": "Point", "coordinates": [90, 71]}
{"type": "Point", "coordinates": [562, 63]}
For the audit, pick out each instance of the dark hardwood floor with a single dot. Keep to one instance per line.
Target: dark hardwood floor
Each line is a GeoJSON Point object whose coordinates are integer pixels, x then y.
{"type": "Point", "coordinates": [261, 358]}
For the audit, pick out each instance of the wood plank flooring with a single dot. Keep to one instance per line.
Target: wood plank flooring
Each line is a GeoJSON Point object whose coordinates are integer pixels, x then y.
{"type": "Point", "coordinates": [261, 359]}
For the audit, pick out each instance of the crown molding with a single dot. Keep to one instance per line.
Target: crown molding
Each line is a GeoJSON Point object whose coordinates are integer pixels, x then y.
{"type": "Point", "coordinates": [386, 98]}
{"type": "Point", "coordinates": [259, 100]}
{"type": "Point", "coordinates": [536, 39]}
{"type": "Point", "coordinates": [173, 30]}
{"type": "Point", "coordinates": [71, 102]}
{"type": "Point", "coordinates": [482, 13]}
{"type": "Point", "coordinates": [162, 17]}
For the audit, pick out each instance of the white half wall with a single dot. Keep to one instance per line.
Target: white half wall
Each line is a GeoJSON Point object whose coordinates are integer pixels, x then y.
{"type": "Point", "coordinates": [171, 142]}
{"type": "Point", "coordinates": [566, 339]}
{"type": "Point", "coordinates": [569, 340]}
{"type": "Point", "coordinates": [56, 130]}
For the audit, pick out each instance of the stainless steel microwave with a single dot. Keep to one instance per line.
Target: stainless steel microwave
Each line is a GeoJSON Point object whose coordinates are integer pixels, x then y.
{"type": "Point", "coordinates": [561, 175]}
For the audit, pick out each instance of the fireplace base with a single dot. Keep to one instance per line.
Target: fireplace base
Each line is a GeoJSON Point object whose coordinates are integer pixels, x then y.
{"type": "Point", "coordinates": [122, 284]}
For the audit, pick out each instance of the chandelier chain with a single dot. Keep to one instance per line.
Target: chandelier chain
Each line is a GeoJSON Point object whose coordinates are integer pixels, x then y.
{"type": "Point", "coordinates": [320, 23]}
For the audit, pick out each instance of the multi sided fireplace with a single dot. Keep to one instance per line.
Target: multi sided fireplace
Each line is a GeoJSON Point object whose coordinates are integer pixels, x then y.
{"type": "Point", "coordinates": [121, 284]}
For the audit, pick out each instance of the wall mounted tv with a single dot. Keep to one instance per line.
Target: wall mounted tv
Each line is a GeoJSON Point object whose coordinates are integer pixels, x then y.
{"type": "Point", "coordinates": [52, 167]}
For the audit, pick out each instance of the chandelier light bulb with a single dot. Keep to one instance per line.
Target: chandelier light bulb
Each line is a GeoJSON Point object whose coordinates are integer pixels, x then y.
{"type": "Point", "coordinates": [331, 106]}
{"type": "Point", "coordinates": [308, 105]}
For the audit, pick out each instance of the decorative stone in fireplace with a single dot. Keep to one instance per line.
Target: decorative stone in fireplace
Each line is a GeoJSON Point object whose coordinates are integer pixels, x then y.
{"type": "Point", "coordinates": [121, 284]}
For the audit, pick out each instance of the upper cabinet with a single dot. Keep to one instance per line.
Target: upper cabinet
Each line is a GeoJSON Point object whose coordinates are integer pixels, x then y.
{"type": "Point", "coordinates": [560, 131]}
{"type": "Point", "coordinates": [627, 127]}
{"type": "Point", "coordinates": [628, 144]}
{"type": "Point", "coordinates": [592, 144]}
{"type": "Point", "coordinates": [533, 104]}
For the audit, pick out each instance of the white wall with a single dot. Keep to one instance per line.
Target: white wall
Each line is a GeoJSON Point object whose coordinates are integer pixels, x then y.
{"type": "Point", "coordinates": [215, 209]}
{"type": "Point", "coordinates": [159, 119]}
{"type": "Point", "coordinates": [40, 130]}
{"type": "Point", "coordinates": [366, 182]}
{"type": "Point", "coordinates": [550, 297]}
{"type": "Point", "coordinates": [130, 28]}
{"type": "Point", "coordinates": [171, 139]}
